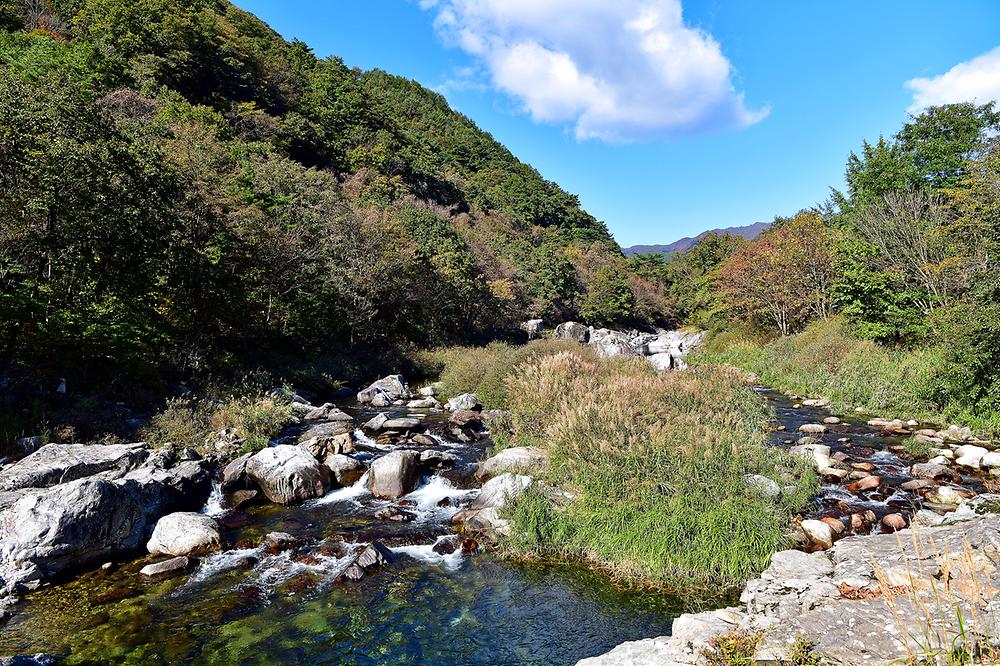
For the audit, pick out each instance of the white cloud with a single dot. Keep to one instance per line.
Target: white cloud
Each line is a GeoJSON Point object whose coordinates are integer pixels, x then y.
{"type": "Point", "coordinates": [617, 70]}
{"type": "Point", "coordinates": [977, 80]}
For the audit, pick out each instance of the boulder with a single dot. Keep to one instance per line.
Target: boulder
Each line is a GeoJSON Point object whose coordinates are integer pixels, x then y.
{"type": "Point", "coordinates": [93, 519]}
{"type": "Point", "coordinates": [288, 474]}
{"type": "Point", "coordinates": [383, 399]}
{"type": "Point", "coordinates": [429, 391]}
{"type": "Point", "coordinates": [969, 455]}
{"type": "Point", "coordinates": [533, 328]}
{"type": "Point", "coordinates": [58, 463]}
{"type": "Point", "coordinates": [894, 522]}
{"type": "Point", "coordinates": [402, 423]}
{"type": "Point", "coordinates": [322, 447]}
{"type": "Point", "coordinates": [374, 556]}
{"type": "Point", "coordinates": [934, 472]}
{"type": "Point", "coordinates": [394, 474]}
{"type": "Point", "coordinates": [524, 459]}
{"type": "Point", "coordinates": [990, 460]}
{"type": "Point", "coordinates": [486, 520]}
{"type": "Point", "coordinates": [234, 475]}
{"type": "Point", "coordinates": [435, 460]}
{"type": "Point", "coordinates": [571, 330]}
{"type": "Point", "coordinates": [424, 403]}
{"type": "Point", "coordinates": [765, 486]}
{"type": "Point", "coordinates": [612, 343]}
{"type": "Point", "coordinates": [328, 412]}
{"type": "Point", "coordinates": [393, 387]}
{"type": "Point", "coordinates": [500, 490]}
{"type": "Point", "coordinates": [375, 423]}
{"type": "Point", "coordinates": [819, 533]}
{"type": "Point", "coordinates": [466, 418]}
{"type": "Point", "coordinates": [184, 533]}
{"type": "Point", "coordinates": [277, 542]}
{"type": "Point", "coordinates": [812, 428]}
{"type": "Point", "coordinates": [464, 402]}
{"type": "Point", "coordinates": [166, 567]}
{"type": "Point", "coordinates": [344, 470]}
{"type": "Point", "coordinates": [420, 439]}
{"type": "Point", "coordinates": [955, 434]}
{"type": "Point", "coordinates": [661, 362]}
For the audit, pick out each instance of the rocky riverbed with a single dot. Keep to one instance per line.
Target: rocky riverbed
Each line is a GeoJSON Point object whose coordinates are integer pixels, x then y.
{"type": "Point", "coordinates": [357, 536]}
{"type": "Point", "coordinates": [901, 568]}
{"type": "Point", "coordinates": [354, 537]}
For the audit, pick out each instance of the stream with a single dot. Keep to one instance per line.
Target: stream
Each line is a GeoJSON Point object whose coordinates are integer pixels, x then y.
{"type": "Point", "coordinates": [436, 603]}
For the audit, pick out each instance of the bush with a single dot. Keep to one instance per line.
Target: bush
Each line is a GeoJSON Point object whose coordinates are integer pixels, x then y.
{"type": "Point", "coordinates": [183, 423]}
{"type": "Point", "coordinates": [190, 422]}
{"type": "Point", "coordinates": [484, 370]}
{"type": "Point", "coordinates": [256, 420]}
{"type": "Point", "coordinates": [930, 383]}
{"type": "Point", "coordinates": [656, 466]}
{"type": "Point", "coordinates": [734, 649]}
{"type": "Point", "coordinates": [827, 360]}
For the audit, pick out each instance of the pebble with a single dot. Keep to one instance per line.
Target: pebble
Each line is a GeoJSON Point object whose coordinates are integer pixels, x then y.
{"type": "Point", "coordinates": [894, 522]}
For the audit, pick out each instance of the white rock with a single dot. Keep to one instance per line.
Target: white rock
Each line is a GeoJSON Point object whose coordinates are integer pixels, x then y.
{"type": "Point", "coordinates": [767, 487]}
{"type": "Point", "coordinates": [185, 533]}
{"type": "Point", "coordinates": [818, 532]}
{"type": "Point", "coordinates": [661, 361]}
{"type": "Point", "coordinates": [498, 491]}
{"type": "Point", "coordinates": [990, 460]}
{"type": "Point", "coordinates": [969, 455]}
{"type": "Point", "coordinates": [462, 402]}
{"type": "Point", "coordinates": [812, 427]}
{"type": "Point", "coordinates": [526, 459]}
{"type": "Point", "coordinates": [288, 474]}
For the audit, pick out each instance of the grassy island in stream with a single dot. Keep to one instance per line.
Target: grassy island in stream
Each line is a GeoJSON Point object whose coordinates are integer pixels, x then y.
{"type": "Point", "coordinates": [653, 466]}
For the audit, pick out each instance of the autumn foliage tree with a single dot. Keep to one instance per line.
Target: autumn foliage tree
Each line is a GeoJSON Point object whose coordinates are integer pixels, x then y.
{"type": "Point", "coordinates": [782, 279]}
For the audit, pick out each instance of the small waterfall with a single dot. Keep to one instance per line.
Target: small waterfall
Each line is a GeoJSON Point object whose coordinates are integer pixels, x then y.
{"type": "Point", "coordinates": [348, 494]}
{"type": "Point", "coordinates": [214, 504]}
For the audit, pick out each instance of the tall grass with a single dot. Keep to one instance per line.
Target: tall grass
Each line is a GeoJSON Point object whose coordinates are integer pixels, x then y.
{"type": "Point", "coordinates": [654, 465]}
{"type": "Point", "coordinates": [827, 361]}
{"type": "Point", "coordinates": [484, 370]}
{"type": "Point", "coordinates": [190, 423]}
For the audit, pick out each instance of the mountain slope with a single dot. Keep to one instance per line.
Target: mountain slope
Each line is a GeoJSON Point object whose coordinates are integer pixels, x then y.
{"type": "Point", "coordinates": [749, 232]}
{"type": "Point", "coordinates": [183, 189]}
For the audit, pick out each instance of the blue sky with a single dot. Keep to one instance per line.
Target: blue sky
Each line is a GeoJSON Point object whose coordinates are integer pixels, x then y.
{"type": "Point", "coordinates": [665, 127]}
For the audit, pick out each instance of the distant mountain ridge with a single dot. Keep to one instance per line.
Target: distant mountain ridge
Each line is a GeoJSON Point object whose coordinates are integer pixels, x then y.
{"type": "Point", "coordinates": [749, 232]}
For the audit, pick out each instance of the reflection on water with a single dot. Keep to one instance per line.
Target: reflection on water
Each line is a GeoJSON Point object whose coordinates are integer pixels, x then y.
{"type": "Point", "coordinates": [431, 610]}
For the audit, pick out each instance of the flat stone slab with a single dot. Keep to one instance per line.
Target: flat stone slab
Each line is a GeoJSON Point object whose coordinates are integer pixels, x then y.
{"type": "Point", "coordinates": [61, 463]}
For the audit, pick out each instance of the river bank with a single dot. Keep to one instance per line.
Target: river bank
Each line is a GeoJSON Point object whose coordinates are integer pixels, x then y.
{"type": "Point", "coordinates": [366, 565]}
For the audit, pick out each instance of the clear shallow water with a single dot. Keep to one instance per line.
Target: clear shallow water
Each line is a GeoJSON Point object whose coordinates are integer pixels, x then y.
{"type": "Point", "coordinates": [481, 611]}
{"type": "Point", "coordinates": [247, 606]}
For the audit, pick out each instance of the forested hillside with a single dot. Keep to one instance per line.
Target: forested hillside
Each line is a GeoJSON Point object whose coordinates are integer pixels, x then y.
{"type": "Point", "coordinates": [885, 296]}
{"type": "Point", "coordinates": [182, 190]}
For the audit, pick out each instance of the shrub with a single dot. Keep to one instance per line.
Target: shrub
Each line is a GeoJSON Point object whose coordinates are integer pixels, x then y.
{"type": "Point", "coordinates": [183, 422]}
{"type": "Point", "coordinates": [189, 422]}
{"type": "Point", "coordinates": [827, 360]}
{"type": "Point", "coordinates": [255, 419]}
{"type": "Point", "coordinates": [734, 649]}
{"type": "Point", "coordinates": [484, 370]}
{"type": "Point", "coordinates": [656, 466]}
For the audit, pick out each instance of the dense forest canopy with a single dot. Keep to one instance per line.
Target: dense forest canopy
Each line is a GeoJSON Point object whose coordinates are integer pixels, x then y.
{"type": "Point", "coordinates": [183, 189]}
